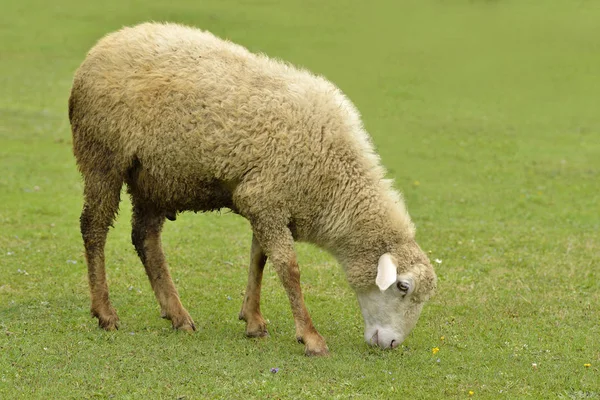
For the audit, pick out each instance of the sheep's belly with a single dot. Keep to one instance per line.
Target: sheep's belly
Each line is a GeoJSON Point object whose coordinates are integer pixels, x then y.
{"type": "Point", "coordinates": [181, 192]}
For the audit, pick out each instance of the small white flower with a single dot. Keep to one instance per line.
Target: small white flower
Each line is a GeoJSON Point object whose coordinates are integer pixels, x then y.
{"type": "Point", "coordinates": [437, 260]}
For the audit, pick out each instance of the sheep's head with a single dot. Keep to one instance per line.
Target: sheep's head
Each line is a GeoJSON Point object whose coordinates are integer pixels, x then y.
{"type": "Point", "coordinates": [392, 305]}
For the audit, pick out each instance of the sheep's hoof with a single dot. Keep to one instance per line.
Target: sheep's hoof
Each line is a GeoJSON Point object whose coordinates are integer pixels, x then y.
{"type": "Point", "coordinates": [108, 319]}
{"type": "Point", "coordinates": [257, 333]}
{"type": "Point", "coordinates": [186, 327]}
{"type": "Point", "coordinates": [110, 323]}
{"type": "Point", "coordinates": [182, 322]}
{"type": "Point", "coordinates": [256, 328]}
{"type": "Point", "coordinates": [315, 345]}
{"type": "Point", "coordinates": [316, 352]}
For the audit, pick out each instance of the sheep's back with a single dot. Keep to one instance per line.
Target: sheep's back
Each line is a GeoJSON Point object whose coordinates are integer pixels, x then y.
{"type": "Point", "coordinates": [167, 91]}
{"type": "Point", "coordinates": [189, 107]}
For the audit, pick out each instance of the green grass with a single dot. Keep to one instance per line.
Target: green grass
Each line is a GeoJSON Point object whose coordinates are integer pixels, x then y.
{"type": "Point", "coordinates": [485, 112]}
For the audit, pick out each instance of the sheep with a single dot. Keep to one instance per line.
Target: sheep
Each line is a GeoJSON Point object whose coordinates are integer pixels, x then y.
{"type": "Point", "coordinates": [192, 122]}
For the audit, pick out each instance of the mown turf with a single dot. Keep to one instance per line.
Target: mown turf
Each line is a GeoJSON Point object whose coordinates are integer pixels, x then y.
{"type": "Point", "coordinates": [485, 112]}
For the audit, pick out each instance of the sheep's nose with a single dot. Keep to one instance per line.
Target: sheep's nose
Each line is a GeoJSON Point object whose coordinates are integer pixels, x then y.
{"type": "Point", "coordinates": [394, 344]}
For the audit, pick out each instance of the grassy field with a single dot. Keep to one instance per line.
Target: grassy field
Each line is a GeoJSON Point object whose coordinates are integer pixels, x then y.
{"type": "Point", "coordinates": [486, 113]}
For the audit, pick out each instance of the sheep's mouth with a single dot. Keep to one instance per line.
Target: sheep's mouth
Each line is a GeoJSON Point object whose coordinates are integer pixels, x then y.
{"type": "Point", "coordinates": [375, 339]}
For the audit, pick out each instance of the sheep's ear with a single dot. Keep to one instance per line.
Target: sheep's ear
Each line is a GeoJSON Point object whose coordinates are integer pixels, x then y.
{"type": "Point", "coordinates": [386, 272]}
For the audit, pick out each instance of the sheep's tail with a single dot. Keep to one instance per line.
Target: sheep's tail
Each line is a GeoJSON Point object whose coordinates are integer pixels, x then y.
{"type": "Point", "coordinates": [71, 107]}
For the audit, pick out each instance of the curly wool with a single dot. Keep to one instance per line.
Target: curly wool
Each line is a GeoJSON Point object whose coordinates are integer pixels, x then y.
{"type": "Point", "coordinates": [200, 123]}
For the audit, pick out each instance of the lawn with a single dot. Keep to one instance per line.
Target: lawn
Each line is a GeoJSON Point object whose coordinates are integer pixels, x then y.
{"type": "Point", "coordinates": [486, 114]}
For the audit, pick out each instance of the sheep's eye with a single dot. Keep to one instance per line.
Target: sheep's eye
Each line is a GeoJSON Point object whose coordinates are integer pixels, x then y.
{"type": "Point", "coordinates": [403, 287]}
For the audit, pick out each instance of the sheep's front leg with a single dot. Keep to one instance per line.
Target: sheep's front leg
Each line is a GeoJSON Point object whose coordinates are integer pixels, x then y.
{"type": "Point", "coordinates": [279, 246]}
{"type": "Point", "coordinates": [256, 326]}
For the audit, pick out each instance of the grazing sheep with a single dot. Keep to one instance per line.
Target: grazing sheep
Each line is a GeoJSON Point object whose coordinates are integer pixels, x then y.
{"type": "Point", "coordinates": [192, 122]}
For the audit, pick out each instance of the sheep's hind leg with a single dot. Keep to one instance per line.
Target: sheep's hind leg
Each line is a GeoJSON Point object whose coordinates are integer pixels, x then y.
{"type": "Point", "coordinates": [101, 204]}
{"type": "Point", "coordinates": [256, 325]}
{"type": "Point", "coordinates": [147, 225]}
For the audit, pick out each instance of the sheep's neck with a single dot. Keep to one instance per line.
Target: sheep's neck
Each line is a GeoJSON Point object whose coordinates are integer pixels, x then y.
{"type": "Point", "coordinates": [367, 224]}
